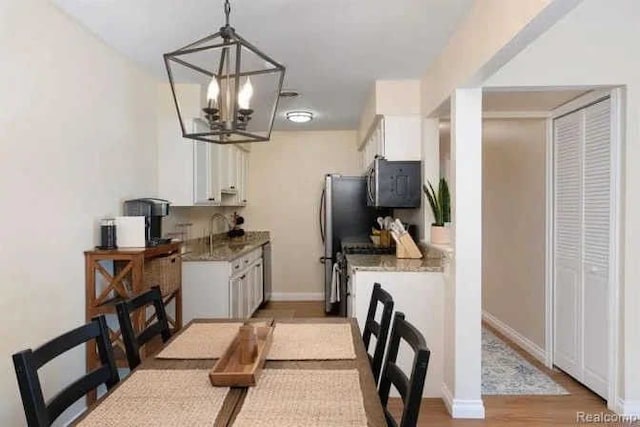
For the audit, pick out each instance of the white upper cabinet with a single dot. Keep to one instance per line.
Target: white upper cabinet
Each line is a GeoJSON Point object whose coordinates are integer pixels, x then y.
{"type": "Point", "coordinates": [228, 169]}
{"type": "Point", "coordinates": [391, 122]}
{"type": "Point", "coordinates": [215, 184]}
{"type": "Point", "coordinates": [193, 173]}
{"type": "Point", "coordinates": [392, 137]}
{"type": "Point", "coordinates": [243, 172]}
{"type": "Point", "coordinates": [233, 175]}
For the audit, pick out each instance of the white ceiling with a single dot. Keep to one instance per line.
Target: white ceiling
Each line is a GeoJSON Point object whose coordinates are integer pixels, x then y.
{"type": "Point", "coordinates": [333, 49]}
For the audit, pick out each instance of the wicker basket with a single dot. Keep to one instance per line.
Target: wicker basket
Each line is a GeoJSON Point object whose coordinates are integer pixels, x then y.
{"type": "Point", "coordinates": [164, 272]}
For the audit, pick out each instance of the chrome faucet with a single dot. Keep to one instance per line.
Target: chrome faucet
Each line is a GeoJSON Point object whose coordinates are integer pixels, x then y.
{"type": "Point", "coordinates": [211, 220]}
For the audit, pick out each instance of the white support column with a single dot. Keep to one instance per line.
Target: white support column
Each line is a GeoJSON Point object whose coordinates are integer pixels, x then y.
{"type": "Point", "coordinates": [462, 387]}
{"type": "Point", "coordinates": [430, 168]}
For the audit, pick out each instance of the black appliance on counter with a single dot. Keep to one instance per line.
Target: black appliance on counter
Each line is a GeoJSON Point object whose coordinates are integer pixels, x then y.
{"type": "Point", "coordinates": [394, 184]}
{"type": "Point", "coordinates": [344, 215]}
{"type": "Point", "coordinates": [153, 210]}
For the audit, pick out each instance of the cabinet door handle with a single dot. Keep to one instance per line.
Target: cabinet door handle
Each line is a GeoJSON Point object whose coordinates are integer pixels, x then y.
{"type": "Point", "coordinates": [237, 267]}
{"type": "Point", "coordinates": [244, 276]}
{"type": "Point", "coordinates": [212, 199]}
{"type": "Point", "coordinates": [246, 261]}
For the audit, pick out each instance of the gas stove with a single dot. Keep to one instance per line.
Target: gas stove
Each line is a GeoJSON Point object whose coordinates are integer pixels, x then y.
{"type": "Point", "coordinates": [366, 249]}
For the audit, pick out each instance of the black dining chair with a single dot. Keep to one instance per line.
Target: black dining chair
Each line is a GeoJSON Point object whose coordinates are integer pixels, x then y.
{"type": "Point", "coordinates": [379, 330]}
{"type": "Point", "coordinates": [410, 389]}
{"type": "Point", "coordinates": [133, 342]}
{"type": "Point", "coordinates": [27, 363]}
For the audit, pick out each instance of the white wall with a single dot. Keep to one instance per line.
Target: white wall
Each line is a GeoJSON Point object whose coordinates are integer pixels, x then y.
{"type": "Point", "coordinates": [389, 97]}
{"type": "Point", "coordinates": [596, 44]}
{"type": "Point", "coordinates": [77, 137]}
{"type": "Point", "coordinates": [285, 182]}
{"type": "Point", "coordinates": [513, 224]}
{"type": "Point", "coordinates": [199, 218]}
{"type": "Point", "coordinates": [490, 34]}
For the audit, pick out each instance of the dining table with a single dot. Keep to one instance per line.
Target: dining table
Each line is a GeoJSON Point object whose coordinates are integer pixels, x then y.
{"type": "Point", "coordinates": [234, 399]}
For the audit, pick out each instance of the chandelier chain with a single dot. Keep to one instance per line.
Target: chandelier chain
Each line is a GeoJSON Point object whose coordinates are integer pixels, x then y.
{"type": "Point", "coordinates": [227, 11]}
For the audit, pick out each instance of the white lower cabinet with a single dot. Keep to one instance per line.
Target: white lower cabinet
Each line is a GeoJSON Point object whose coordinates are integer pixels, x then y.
{"type": "Point", "coordinates": [258, 284]}
{"type": "Point", "coordinates": [420, 296]}
{"type": "Point", "coordinates": [222, 289]}
{"type": "Point", "coordinates": [236, 301]}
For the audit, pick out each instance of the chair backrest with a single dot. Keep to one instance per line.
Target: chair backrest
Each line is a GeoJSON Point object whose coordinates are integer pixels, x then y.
{"type": "Point", "coordinates": [27, 363]}
{"type": "Point", "coordinates": [410, 388]}
{"type": "Point", "coordinates": [379, 330]}
{"type": "Point", "coordinates": [133, 342]}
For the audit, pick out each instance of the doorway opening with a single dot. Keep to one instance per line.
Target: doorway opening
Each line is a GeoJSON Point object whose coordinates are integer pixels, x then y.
{"type": "Point", "coordinates": [527, 201]}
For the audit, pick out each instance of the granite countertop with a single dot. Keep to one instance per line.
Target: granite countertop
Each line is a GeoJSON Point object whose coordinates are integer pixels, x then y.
{"type": "Point", "coordinates": [225, 248]}
{"type": "Point", "coordinates": [431, 262]}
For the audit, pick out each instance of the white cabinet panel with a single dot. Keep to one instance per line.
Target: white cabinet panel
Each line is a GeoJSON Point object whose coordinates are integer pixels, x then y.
{"type": "Point", "coordinates": [402, 138]}
{"type": "Point", "coordinates": [201, 180]}
{"type": "Point", "coordinates": [238, 310]}
{"type": "Point", "coordinates": [215, 184]}
{"type": "Point", "coordinates": [420, 296]}
{"type": "Point", "coordinates": [205, 290]}
{"type": "Point", "coordinates": [234, 164]}
{"type": "Point", "coordinates": [258, 284]}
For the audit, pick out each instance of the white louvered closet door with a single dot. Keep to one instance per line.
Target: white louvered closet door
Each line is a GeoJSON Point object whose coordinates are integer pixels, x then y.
{"type": "Point", "coordinates": [568, 242]}
{"type": "Point", "coordinates": [582, 226]}
{"type": "Point", "coordinates": [596, 246]}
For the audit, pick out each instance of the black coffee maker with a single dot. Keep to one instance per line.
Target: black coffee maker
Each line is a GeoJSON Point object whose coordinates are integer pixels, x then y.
{"type": "Point", "coordinates": [153, 210]}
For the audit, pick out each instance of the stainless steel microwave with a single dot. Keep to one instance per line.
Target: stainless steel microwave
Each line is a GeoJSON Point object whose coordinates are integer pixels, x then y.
{"type": "Point", "coordinates": [394, 184]}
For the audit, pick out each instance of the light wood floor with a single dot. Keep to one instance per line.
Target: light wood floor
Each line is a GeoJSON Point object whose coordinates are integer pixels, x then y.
{"type": "Point", "coordinates": [500, 410]}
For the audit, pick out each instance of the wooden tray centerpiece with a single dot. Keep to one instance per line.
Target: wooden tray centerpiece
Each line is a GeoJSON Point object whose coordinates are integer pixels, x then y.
{"type": "Point", "coordinates": [242, 362]}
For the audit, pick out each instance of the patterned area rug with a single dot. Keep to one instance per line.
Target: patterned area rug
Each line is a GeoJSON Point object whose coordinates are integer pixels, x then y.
{"type": "Point", "coordinates": [504, 371]}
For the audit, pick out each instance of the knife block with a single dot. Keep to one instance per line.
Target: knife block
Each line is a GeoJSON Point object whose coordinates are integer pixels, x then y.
{"type": "Point", "coordinates": [406, 248]}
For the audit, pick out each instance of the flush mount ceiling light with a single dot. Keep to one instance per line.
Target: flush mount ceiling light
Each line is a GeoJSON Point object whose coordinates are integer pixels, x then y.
{"type": "Point", "coordinates": [300, 116]}
{"type": "Point", "coordinates": [289, 93]}
{"type": "Point", "coordinates": [219, 78]}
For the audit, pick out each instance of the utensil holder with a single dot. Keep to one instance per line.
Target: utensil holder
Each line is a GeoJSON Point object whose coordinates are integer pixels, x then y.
{"type": "Point", "coordinates": [385, 238]}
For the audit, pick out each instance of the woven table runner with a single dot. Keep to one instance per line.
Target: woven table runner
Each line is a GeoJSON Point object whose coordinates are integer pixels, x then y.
{"type": "Point", "coordinates": [201, 341]}
{"type": "Point", "coordinates": [160, 398]}
{"type": "Point", "coordinates": [312, 341]}
{"type": "Point", "coordinates": [310, 398]}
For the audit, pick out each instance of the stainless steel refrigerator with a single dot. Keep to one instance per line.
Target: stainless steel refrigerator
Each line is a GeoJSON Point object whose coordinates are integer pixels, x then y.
{"type": "Point", "coordinates": [343, 215]}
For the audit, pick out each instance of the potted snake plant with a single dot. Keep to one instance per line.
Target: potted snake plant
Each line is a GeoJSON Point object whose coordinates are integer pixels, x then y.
{"type": "Point", "coordinates": [440, 203]}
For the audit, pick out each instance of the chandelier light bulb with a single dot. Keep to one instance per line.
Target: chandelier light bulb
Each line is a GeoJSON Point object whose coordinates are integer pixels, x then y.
{"type": "Point", "coordinates": [213, 90]}
{"type": "Point", "coordinates": [244, 97]}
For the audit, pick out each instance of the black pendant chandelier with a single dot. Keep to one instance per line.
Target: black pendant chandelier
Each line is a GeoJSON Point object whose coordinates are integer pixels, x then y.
{"type": "Point", "coordinates": [220, 80]}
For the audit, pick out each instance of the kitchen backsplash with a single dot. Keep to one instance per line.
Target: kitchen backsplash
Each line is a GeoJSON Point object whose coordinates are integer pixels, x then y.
{"type": "Point", "coordinates": [199, 216]}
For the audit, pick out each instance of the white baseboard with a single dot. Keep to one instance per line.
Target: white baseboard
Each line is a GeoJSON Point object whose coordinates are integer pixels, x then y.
{"type": "Point", "coordinates": [460, 408]}
{"type": "Point", "coordinates": [628, 408]}
{"type": "Point", "coordinates": [525, 343]}
{"type": "Point", "coordinates": [297, 296]}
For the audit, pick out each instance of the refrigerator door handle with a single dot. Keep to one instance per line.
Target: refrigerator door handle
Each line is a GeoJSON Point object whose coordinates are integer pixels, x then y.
{"type": "Point", "coordinates": [321, 214]}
